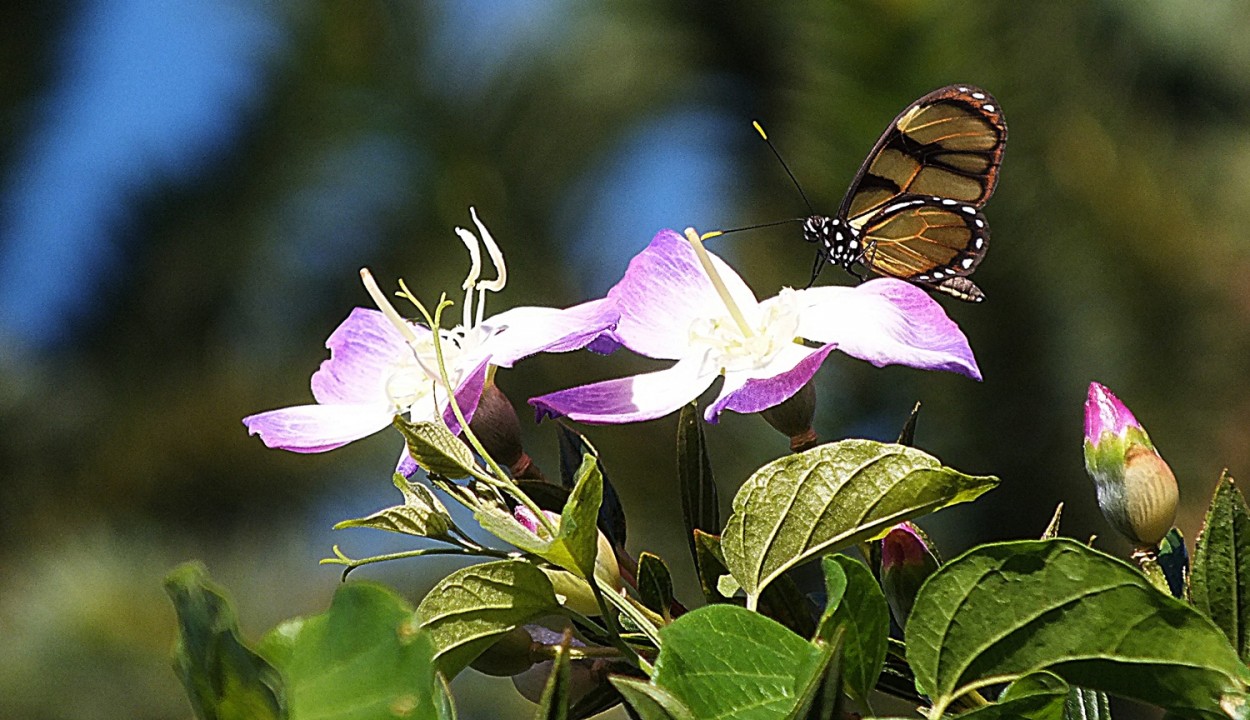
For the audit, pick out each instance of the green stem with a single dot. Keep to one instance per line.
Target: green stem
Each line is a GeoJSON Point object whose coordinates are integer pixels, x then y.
{"type": "Point", "coordinates": [352, 564]}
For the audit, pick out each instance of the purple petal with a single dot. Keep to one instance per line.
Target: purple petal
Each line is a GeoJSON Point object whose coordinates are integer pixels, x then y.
{"type": "Point", "coordinates": [406, 465]}
{"type": "Point", "coordinates": [363, 352]}
{"type": "Point", "coordinates": [629, 399]}
{"type": "Point", "coordinates": [317, 428]}
{"type": "Point", "coordinates": [745, 394]}
{"type": "Point", "coordinates": [525, 331]}
{"type": "Point", "coordinates": [664, 290]}
{"type": "Point", "coordinates": [886, 322]}
{"type": "Point", "coordinates": [468, 393]}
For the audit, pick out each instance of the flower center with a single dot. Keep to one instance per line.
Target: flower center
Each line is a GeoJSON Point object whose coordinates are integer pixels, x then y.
{"type": "Point", "coordinates": [772, 328]}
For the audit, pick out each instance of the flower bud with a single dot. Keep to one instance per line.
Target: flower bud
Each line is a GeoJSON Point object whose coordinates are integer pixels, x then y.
{"type": "Point", "coordinates": [906, 562]}
{"type": "Point", "coordinates": [584, 674]}
{"type": "Point", "coordinates": [573, 591]}
{"type": "Point", "coordinates": [1136, 489]}
{"type": "Point", "coordinates": [495, 423]}
{"type": "Point", "coordinates": [793, 418]}
{"type": "Point", "coordinates": [511, 654]}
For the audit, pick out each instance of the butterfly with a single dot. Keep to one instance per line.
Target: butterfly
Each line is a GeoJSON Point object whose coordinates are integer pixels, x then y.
{"type": "Point", "coordinates": [913, 210]}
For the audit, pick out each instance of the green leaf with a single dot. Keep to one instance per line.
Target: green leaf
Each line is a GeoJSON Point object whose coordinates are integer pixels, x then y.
{"type": "Point", "coordinates": [830, 497]}
{"type": "Point", "coordinates": [1174, 562]}
{"type": "Point", "coordinates": [1085, 704]}
{"type": "Point", "coordinates": [709, 561]}
{"type": "Point", "coordinates": [649, 701]}
{"type": "Point", "coordinates": [823, 698]}
{"type": "Point", "coordinates": [784, 602]}
{"type": "Point", "coordinates": [435, 449]}
{"type": "Point", "coordinates": [723, 661]}
{"type": "Point", "coordinates": [223, 678]}
{"type": "Point", "coordinates": [574, 447]}
{"type": "Point", "coordinates": [364, 658]}
{"type": "Point", "coordinates": [1019, 607]}
{"type": "Point", "coordinates": [700, 505]}
{"type": "Point", "coordinates": [554, 704]}
{"type": "Point", "coordinates": [576, 542]}
{"type": "Point", "coordinates": [422, 514]}
{"type": "Point", "coordinates": [472, 607]}
{"type": "Point", "coordinates": [655, 585]}
{"type": "Point", "coordinates": [862, 613]}
{"type": "Point", "coordinates": [1039, 696]}
{"type": "Point", "coordinates": [1219, 585]}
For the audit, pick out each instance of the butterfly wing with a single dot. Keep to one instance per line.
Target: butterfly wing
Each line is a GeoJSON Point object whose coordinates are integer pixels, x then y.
{"type": "Point", "coordinates": [948, 143]}
{"type": "Point", "coordinates": [932, 241]}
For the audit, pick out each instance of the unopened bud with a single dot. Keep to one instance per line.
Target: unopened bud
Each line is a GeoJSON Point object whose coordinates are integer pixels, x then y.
{"type": "Point", "coordinates": [511, 654]}
{"type": "Point", "coordinates": [1136, 489]}
{"type": "Point", "coordinates": [584, 674]}
{"type": "Point", "coordinates": [573, 591]}
{"type": "Point", "coordinates": [793, 418]}
{"type": "Point", "coordinates": [906, 562]}
{"type": "Point", "coordinates": [495, 423]}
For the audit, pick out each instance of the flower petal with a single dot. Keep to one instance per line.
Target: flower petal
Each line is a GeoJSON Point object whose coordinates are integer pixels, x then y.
{"type": "Point", "coordinates": [363, 352]}
{"type": "Point", "coordinates": [629, 399]}
{"type": "Point", "coordinates": [752, 392]}
{"type": "Point", "coordinates": [468, 393]}
{"type": "Point", "coordinates": [317, 428]}
{"type": "Point", "coordinates": [525, 331]}
{"type": "Point", "coordinates": [664, 290]}
{"type": "Point", "coordinates": [885, 322]}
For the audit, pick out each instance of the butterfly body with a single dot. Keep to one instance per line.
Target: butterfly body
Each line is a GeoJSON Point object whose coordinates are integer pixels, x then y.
{"type": "Point", "coordinates": [913, 210]}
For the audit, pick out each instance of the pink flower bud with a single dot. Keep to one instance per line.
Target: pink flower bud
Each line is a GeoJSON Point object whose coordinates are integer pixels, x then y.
{"type": "Point", "coordinates": [1137, 491]}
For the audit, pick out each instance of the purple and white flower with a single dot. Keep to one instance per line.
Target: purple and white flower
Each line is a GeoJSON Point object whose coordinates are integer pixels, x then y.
{"type": "Point", "coordinates": [679, 302]}
{"type": "Point", "coordinates": [382, 365]}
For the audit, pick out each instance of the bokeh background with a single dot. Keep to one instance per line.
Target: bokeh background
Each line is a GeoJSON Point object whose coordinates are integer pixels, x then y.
{"type": "Point", "coordinates": [188, 189]}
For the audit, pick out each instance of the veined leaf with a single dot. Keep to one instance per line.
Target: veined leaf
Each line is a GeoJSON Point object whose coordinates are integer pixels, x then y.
{"type": "Point", "coordinates": [1039, 696]}
{"type": "Point", "coordinates": [700, 505]}
{"type": "Point", "coordinates": [363, 658]}
{"type": "Point", "coordinates": [655, 585]}
{"type": "Point", "coordinates": [422, 514]}
{"type": "Point", "coordinates": [861, 612]}
{"type": "Point", "coordinates": [472, 607]}
{"type": "Point", "coordinates": [1219, 585]}
{"type": "Point", "coordinates": [726, 662]}
{"type": "Point", "coordinates": [1020, 607]}
{"type": "Point", "coordinates": [709, 561]}
{"type": "Point", "coordinates": [830, 497]}
{"type": "Point", "coordinates": [576, 542]}
{"type": "Point", "coordinates": [224, 679]}
{"type": "Point", "coordinates": [649, 701]}
{"type": "Point", "coordinates": [435, 449]}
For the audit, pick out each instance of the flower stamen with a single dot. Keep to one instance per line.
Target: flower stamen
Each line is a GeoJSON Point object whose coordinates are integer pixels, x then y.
{"type": "Point", "coordinates": [706, 261]}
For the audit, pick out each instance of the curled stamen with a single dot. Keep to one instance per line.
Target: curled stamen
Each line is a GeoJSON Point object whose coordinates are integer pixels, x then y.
{"type": "Point", "coordinates": [475, 272]}
{"type": "Point", "coordinates": [496, 257]}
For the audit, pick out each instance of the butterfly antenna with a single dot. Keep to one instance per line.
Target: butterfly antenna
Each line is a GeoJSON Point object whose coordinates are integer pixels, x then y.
{"type": "Point", "coordinates": [774, 223]}
{"type": "Point", "coordinates": [760, 129]}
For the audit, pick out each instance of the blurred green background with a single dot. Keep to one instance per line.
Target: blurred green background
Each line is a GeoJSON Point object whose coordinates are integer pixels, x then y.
{"type": "Point", "coordinates": [187, 192]}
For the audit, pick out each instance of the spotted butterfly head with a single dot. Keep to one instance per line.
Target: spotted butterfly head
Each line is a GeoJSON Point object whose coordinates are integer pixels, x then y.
{"type": "Point", "coordinates": [836, 237]}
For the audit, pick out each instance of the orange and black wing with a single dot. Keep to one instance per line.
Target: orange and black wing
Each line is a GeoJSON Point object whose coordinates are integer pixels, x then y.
{"type": "Point", "coordinates": [932, 241]}
{"type": "Point", "coordinates": [948, 144]}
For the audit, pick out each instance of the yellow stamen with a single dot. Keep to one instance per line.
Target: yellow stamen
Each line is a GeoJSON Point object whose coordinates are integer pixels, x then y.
{"type": "Point", "coordinates": [706, 261]}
